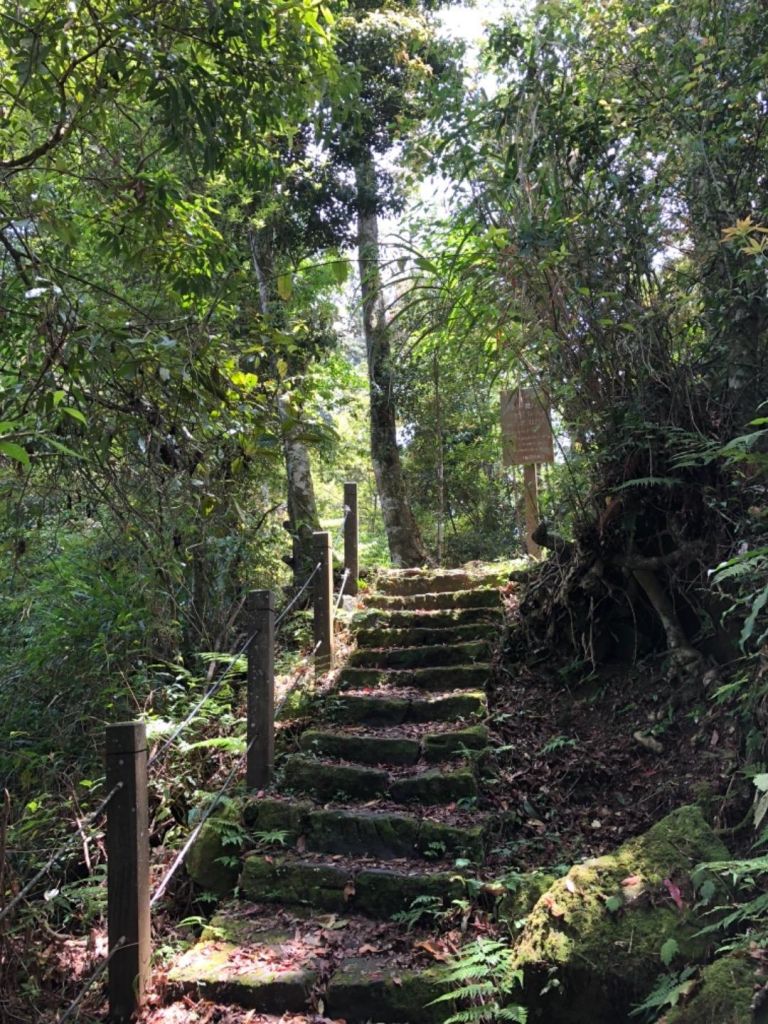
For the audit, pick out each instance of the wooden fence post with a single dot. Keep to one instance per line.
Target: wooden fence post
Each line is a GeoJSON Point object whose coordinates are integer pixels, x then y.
{"type": "Point", "coordinates": [261, 689]}
{"type": "Point", "coordinates": [351, 551]}
{"type": "Point", "coordinates": [323, 603]}
{"type": "Point", "coordinates": [127, 869]}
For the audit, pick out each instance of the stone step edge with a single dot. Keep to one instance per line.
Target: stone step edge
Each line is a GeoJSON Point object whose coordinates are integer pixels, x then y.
{"type": "Point", "coordinates": [423, 787]}
{"type": "Point", "coordinates": [416, 836]}
{"type": "Point", "coordinates": [396, 748]}
{"type": "Point", "coordinates": [348, 887]}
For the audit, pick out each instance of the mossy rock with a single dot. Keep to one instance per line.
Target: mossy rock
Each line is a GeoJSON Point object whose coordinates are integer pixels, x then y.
{"type": "Point", "coordinates": [521, 893]}
{"type": "Point", "coordinates": [598, 930]}
{"type": "Point", "coordinates": [724, 995]}
{"type": "Point", "coordinates": [212, 863]}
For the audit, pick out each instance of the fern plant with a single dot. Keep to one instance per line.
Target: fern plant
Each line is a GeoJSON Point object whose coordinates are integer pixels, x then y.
{"type": "Point", "coordinates": [481, 980]}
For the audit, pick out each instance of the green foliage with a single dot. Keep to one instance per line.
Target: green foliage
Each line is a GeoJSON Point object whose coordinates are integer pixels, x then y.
{"type": "Point", "coordinates": [481, 980]}
{"type": "Point", "coordinates": [666, 993]}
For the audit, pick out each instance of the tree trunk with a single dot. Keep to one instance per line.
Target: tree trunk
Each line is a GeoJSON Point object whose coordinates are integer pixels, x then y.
{"type": "Point", "coordinates": [302, 507]}
{"type": "Point", "coordinates": [405, 544]}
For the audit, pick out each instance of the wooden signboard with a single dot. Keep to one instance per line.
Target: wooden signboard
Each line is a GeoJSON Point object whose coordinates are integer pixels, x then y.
{"type": "Point", "coordinates": [525, 430]}
{"type": "Point", "coordinates": [527, 440]}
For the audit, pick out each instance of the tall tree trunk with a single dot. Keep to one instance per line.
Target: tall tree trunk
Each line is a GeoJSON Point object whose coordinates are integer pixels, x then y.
{"type": "Point", "coordinates": [302, 506]}
{"type": "Point", "coordinates": [405, 544]}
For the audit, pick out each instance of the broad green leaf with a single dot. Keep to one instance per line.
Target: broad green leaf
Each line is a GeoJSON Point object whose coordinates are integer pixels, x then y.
{"type": "Point", "coordinates": [14, 451]}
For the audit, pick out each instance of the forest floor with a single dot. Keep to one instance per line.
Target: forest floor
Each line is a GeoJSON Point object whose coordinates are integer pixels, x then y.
{"type": "Point", "coordinates": [577, 768]}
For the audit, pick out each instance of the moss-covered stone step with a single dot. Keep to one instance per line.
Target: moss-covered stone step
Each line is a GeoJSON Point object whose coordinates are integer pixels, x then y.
{"type": "Point", "coordinates": [441, 677]}
{"type": "Point", "coordinates": [372, 749]}
{"type": "Point", "coordinates": [435, 786]}
{"type": "Point", "coordinates": [480, 598]}
{"type": "Point", "coordinates": [256, 976]}
{"type": "Point", "coordinates": [327, 781]}
{"type": "Point", "coordinates": [393, 707]}
{"type": "Point", "coordinates": [344, 885]}
{"type": "Point", "coordinates": [385, 835]}
{"type": "Point", "coordinates": [370, 989]}
{"type": "Point", "coordinates": [419, 657]}
{"type": "Point", "coordinates": [390, 748]}
{"type": "Point", "coordinates": [421, 618]}
{"type": "Point", "coordinates": [443, 746]}
{"type": "Point", "coordinates": [324, 780]}
{"type": "Point", "coordinates": [403, 583]}
{"type": "Point", "coordinates": [426, 637]}
{"type": "Point", "coordinates": [389, 836]}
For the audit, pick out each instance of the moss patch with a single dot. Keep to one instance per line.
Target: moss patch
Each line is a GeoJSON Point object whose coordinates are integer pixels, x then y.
{"type": "Point", "coordinates": [334, 781]}
{"type": "Point", "coordinates": [212, 863]}
{"type": "Point", "coordinates": [441, 746]}
{"type": "Point", "coordinates": [600, 929]}
{"type": "Point", "coordinates": [724, 996]}
{"type": "Point", "coordinates": [369, 989]}
{"type": "Point", "coordinates": [435, 787]}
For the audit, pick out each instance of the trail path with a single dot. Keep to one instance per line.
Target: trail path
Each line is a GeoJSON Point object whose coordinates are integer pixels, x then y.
{"type": "Point", "coordinates": [378, 808]}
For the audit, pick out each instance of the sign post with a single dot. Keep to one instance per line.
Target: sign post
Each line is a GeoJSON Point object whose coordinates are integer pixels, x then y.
{"type": "Point", "coordinates": [527, 440]}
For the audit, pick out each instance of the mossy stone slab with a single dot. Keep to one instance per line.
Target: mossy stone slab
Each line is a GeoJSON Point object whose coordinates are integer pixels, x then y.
{"type": "Point", "coordinates": [370, 989]}
{"type": "Point", "coordinates": [417, 618]}
{"type": "Point", "coordinates": [270, 815]}
{"type": "Point", "coordinates": [435, 786]}
{"type": "Point", "coordinates": [296, 883]}
{"type": "Point", "coordinates": [370, 709]}
{"type": "Point", "coordinates": [442, 746]}
{"type": "Point", "coordinates": [724, 995]}
{"type": "Point", "coordinates": [425, 636]}
{"type": "Point", "coordinates": [334, 781]}
{"type": "Point", "coordinates": [448, 707]}
{"type": "Point", "coordinates": [600, 937]}
{"type": "Point", "coordinates": [247, 977]}
{"type": "Point", "coordinates": [381, 893]}
{"type": "Point", "coordinates": [390, 836]}
{"type": "Point", "coordinates": [439, 678]}
{"type": "Point", "coordinates": [364, 749]}
{"type": "Point", "coordinates": [419, 657]}
{"type": "Point", "coordinates": [478, 598]}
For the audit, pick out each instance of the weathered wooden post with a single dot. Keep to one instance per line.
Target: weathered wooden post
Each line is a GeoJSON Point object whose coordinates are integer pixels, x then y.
{"type": "Point", "coordinates": [351, 549]}
{"type": "Point", "coordinates": [323, 603]}
{"type": "Point", "coordinates": [261, 689]}
{"type": "Point", "coordinates": [129, 935]}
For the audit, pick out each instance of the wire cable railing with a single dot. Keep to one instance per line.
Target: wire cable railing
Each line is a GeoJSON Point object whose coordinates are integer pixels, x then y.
{"type": "Point", "coordinates": [90, 982]}
{"type": "Point", "coordinates": [65, 847]}
{"type": "Point", "coordinates": [296, 597]}
{"type": "Point", "coordinates": [235, 663]}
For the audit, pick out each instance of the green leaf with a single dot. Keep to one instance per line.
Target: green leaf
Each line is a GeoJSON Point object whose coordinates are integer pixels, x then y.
{"type": "Point", "coordinates": [74, 413]}
{"type": "Point", "coordinates": [285, 286]}
{"type": "Point", "coordinates": [668, 951]}
{"type": "Point", "coordinates": [14, 451]}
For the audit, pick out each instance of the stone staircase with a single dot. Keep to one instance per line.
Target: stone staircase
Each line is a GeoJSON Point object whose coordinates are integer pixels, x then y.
{"type": "Point", "coordinates": [380, 806]}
